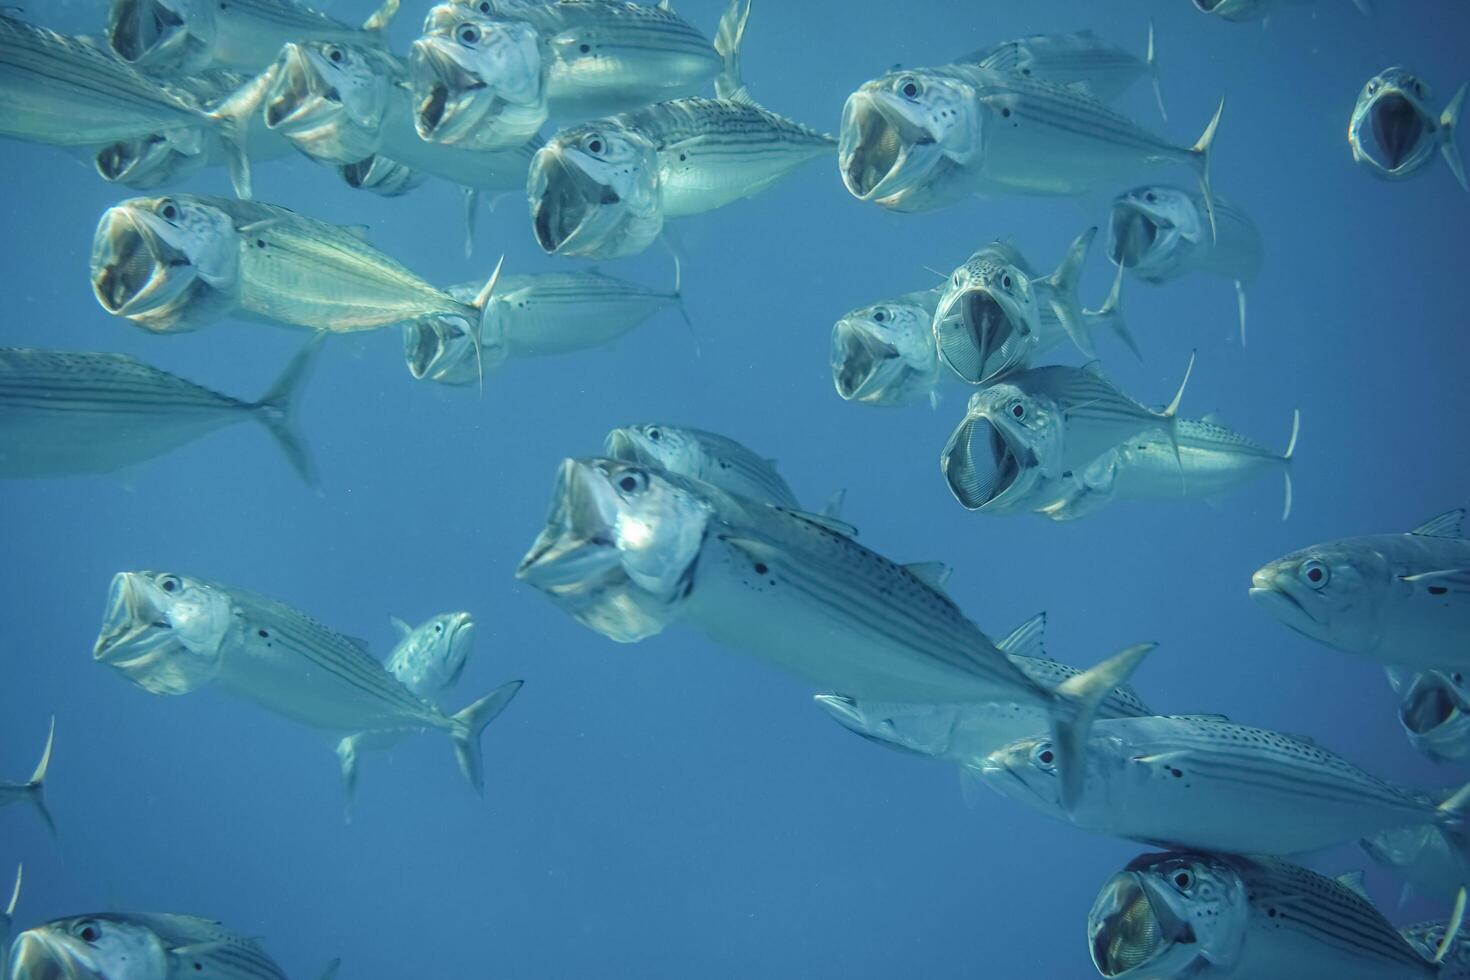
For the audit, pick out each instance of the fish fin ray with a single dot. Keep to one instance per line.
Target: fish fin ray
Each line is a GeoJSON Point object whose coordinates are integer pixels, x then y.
{"type": "Point", "coordinates": [1201, 153]}
{"type": "Point", "coordinates": [1074, 705]}
{"type": "Point", "coordinates": [1026, 640]}
{"type": "Point", "coordinates": [1452, 927]}
{"type": "Point", "coordinates": [1449, 123]}
{"type": "Point", "coordinates": [1353, 882]}
{"type": "Point", "coordinates": [470, 723]}
{"type": "Point", "coordinates": [381, 18]}
{"type": "Point", "coordinates": [729, 37]}
{"type": "Point", "coordinates": [934, 574]}
{"type": "Point", "coordinates": [1446, 525]}
{"type": "Point", "coordinates": [1152, 62]}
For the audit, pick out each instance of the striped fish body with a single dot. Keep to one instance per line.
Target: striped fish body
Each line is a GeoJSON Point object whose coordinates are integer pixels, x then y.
{"type": "Point", "coordinates": [562, 312]}
{"type": "Point", "coordinates": [1214, 460]}
{"type": "Point", "coordinates": [1094, 415]}
{"type": "Point", "coordinates": [249, 33]}
{"type": "Point", "coordinates": [1080, 60]}
{"type": "Point", "coordinates": [140, 946]}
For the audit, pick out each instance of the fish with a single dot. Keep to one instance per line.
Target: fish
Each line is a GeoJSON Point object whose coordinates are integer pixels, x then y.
{"type": "Point", "coordinates": [997, 314]}
{"type": "Point", "coordinates": [68, 413]}
{"type": "Point", "coordinates": [172, 634]}
{"type": "Point", "coordinates": [382, 176]}
{"type": "Point", "coordinates": [535, 315]}
{"type": "Point", "coordinates": [921, 139]}
{"type": "Point", "coordinates": [1240, 11]}
{"type": "Point", "coordinates": [1207, 783]}
{"type": "Point", "coordinates": [178, 38]}
{"type": "Point", "coordinates": [1079, 60]}
{"type": "Point", "coordinates": [604, 188]}
{"type": "Point", "coordinates": [1434, 710]}
{"type": "Point", "coordinates": [628, 550]}
{"type": "Point", "coordinates": [1160, 233]}
{"type": "Point", "coordinates": [1399, 599]}
{"type": "Point", "coordinates": [66, 91]}
{"type": "Point", "coordinates": [1185, 914]}
{"type": "Point", "coordinates": [491, 78]}
{"type": "Point", "coordinates": [32, 791]}
{"type": "Point", "coordinates": [706, 456]}
{"type": "Point", "coordinates": [1432, 860]}
{"type": "Point", "coordinates": [1393, 109]}
{"type": "Point", "coordinates": [1429, 938]}
{"type": "Point", "coordinates": [1038, 429]}
{"type": "Point", "coordinates": [884, 353]}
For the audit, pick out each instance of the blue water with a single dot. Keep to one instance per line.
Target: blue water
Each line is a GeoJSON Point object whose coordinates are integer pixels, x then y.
{"type": "Point", "coordinates": [669, 809]}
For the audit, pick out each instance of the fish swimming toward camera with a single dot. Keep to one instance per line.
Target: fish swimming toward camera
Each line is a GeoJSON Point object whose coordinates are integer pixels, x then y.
{"type": "Point", "coordinates": [1429, 938]}
{"type": "Point", "coordinates": [32, 791]}
{"type": "Point", "coordinates": [1434, 710]}
{"type": "Point", "coordinates": [1160, 233]}
{"type": "Point", "coordinates": [1079, 60]}
{"type": "Point", "coordinates": [1394, 133]}
{"type": "Point", "coordinates": [1399, 599]}
{"type": "Point", "coordinates": [1184, 914]}
{"type": "Point", "coordinates": [628, 550]}
{"type": "Point", "coordinates": [171, 634]}
{"type": "Point", "coordinates": [488, 75]}
{"type": "Point", "coordinates": [68, 413]}
{"type": "Point", "coordinates": [1432, 860]}
{"type": "Point", "coordinates": [884, 353]}
{"type": "Point", "coordinates": [706, 456]}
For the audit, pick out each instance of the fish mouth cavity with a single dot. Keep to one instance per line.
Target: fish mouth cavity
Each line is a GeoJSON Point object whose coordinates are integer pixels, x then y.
{"type": "Point", "coordinates": [970, 329]}
{"type": "Point", "coordinates": [1133, 234]}
{"type": "Point", "coordinates": [576, 549]}
{"type": "Point", "coordinates": [132, 624]}
{"type": "Point", "coordinates": [298, 95]}
{"type": "Point", "coordinates": [1398, 127]}
{"type": "Point", "coordinates": [564, 199]}
{"type": "Point", "coordinates": [857, 359]}
{"type": "Point", "coordinates": [133, 259]}
{"type": "Point", "coordinates": [876, 144]}
{"type": "Point", "coordinates": [1130, 930]}
{"type": "Point", "coordinates": [444, 92]}
{"type": "Point", "coordinates": [1428, 705]}
{"type": "Point", "coordinates": [40, 955]}
{"type": "Point", "coordinates": [139, 29]}
{"type": "Point", "coordinates": [982, 462]}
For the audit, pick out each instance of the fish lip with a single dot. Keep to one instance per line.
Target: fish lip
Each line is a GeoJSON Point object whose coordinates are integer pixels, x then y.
{"type": "Point", "coordinates": [1120, 897]}
{"type": "Point", "coordinates": [126, 235]}
{"type": "Point", "coordinates": [1009, 458]}
{"type": "Point", "coordinates": [878, 133]}
{"type": "Point", "coordinates": [857, 357]}
{"type": "Point", "coordinates": [130, 621]}
{"type": "Point", "coordinates": [1274, 591]}
{"type": "Point", "coordinates": [570, 196]}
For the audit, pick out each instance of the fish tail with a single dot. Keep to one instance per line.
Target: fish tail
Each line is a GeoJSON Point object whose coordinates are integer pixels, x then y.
{"type": "Point", "coordinates": [1296, 428]}
{"type": "Point", "coordinates": [7, 918]}
{"type": "Point", "coordinates": [36, 785]}
{"type": "Point", "coordinates": [1063, 282]}
{"type": "Point", "coordinates": [1074, 706]}
{"type": "Point", "coordinates": [480, 308]}
{"type": "Point", "coordinates": [1452, 927]}
{"type": "Point", "coordinates": [729, 37]}
{"type": "Point", "coordinates": [1240, 308]}
{"type": "Point", "coordinates": [1171, 416]}
{"type": "Point", "coordinates": [469, 723]}
{"type": "Point", "coordinates": [232, 120]}
{"type": "Point", "coordinates": [347, 757]}
{"type": "Point", "coordinates": [381, 18]}
{"type": "Point", "coordinates": [1111, 312]}
{"type": "Point", "coordinates": [277, 408]}
{"type": "Point", "coordinates": [1449, 123]}
{"type": "Point", "coordinates": [1452, 812]}
{"type": "Point", "coordinates": [1201, 154]}
{"type": "Point", "coordinates": [1152, 62]}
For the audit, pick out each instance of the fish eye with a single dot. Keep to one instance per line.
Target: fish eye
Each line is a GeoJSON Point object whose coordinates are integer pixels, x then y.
{"type": "Point", "coordinates": [594, 143]}
{"type": "Point", "coordinates": [1005, 280]}
{"type": "Point", "coordinates": [438, 627]}
{"type": "Point", "coordinates": [1151, 197]}
{"type": "Point", "coordinates": [1457, 677]}
{"type": "Point", "coordinates": [336, 55]}
{"type": "Point", "coordinates": [168, 209]}
{"type": "Point", "coordinates": [633, 481]}
{"type": "Point", "coordinates": [655, 434]}
{"type": "Point", "coordinates": [1183, 880]}
{"type": "Point", "coordinates": [1372, 87]}
{"type": "Point", "coordinates": [468, 34]}
{"type": "Point", "coordinates": [485, 7]}
{"type": "Point", "coordinates": [170, 583]}
{"type": "Point", "coordinates": [1044, 757]}
{"type": "Point", "coordinates": [910, 87]}
{"type": "Point", "coordinates": [87, 930]}
{"type": "Point", "coordinates": [1315, 573]}
{"type": "Point", "coordinates": [880, 316]}
{"type": "Point", "coordinates": [1017, 410]}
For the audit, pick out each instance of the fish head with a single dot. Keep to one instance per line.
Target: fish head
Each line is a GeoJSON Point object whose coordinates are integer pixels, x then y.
{"type": "Point", "coordinates": [478, 82]}
{"type": "Point", "coordinates": [1026, 769]}
{"type": "Point", "coordinates": [663, 446]}
{"type": "Point", "coordinates": [1435, 714]}
{"type": "Point", "coordinates": [432, 657]}
{"type": "Point", "coordinates": [152, 161]}
{"type": "Point", "coordinates": [329, 99]}
{"type": "Point", "coordinates": [921, 729]}
{"type": "Point", "coordinates": [901, 132]}
{"type": "Point", "coordinates": [620, 545]}
{"type": "Point", "coordinates": [1392, 129]}
{"type": "Point", "coordinates": [884, 354]}
{"type": "Point", "coordinates": [441, 348]}
{"type": "Point", "coordinates": [1169, 915]}
{"type": "Point", "coordinates": [595, 190]}
{"type": "Point", "coordinates": [1151, 230]}
{"type": "Point", "coordinates": [1002, 451]}
{"type": "Point", "coordinates": [1336, 593]}
{"type": "Point", "coordinates": [381, 176]}
{"type": "Point", "coordinates": [987, 322]}
{"type": "Point", "coordinates": [163, 37]}
{"type": "Point", "coordinates": [164, 631]}
{"type": "Point", "coordinates": [90, 947]}
{"type": "Point", "coordinates": [169, 264]}
{"type": "Point", "coordinates": [1409, 848]}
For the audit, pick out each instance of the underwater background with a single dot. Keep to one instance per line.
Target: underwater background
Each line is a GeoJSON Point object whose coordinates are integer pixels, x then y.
{"type": "Point", "coordinates": [668, 809]}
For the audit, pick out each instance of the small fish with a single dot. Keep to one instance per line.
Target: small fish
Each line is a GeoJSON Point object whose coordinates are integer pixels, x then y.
{"type": "Point", "coordinates": [32, 791]}
{"type": "Point", "coordinates": [1079, 60]}
{"type": "Point", "coordinates": [919, 139]}
{"type": "Point", "coordinates": [628, 549]}
{"type": "Point", "coordinates": [1042, 426]}
{"type": "Point", "coordinates": [184, 37]}
{"type": "Point", "coordinates": [1160, 233]}
{"type": "Point", "coordinates": [1240, 11]}
{"type": "Point", "coordinates": [884, 353]}
{"type": "Point", "coordinates": [74, 412]}
{"type": "Point", "coordinates": [997, 314]}
{"type": "Point", "coordinates": [1203, 782]}
{"type": "Point", "coordinates": [1181, 915]}
{"type": "Point", "coordinates": [1434, 710]}
{"type": "Point", "coordinates": [382, 176]}
{"type": "Point", "coordinates": [535, 315]}
{"type": "Point", "coordinates": [171, 634]}
{"type": "Point", "coordinates": [1399, 599]}
{"type": "Point", "coordinates": [1394, 108]}
{"type": "Point", "coordinates": [706, 456]}
{"type": "Point", "coordinates": [138, 946]}
{"type": "Point", "coordinates": [1433, 861]}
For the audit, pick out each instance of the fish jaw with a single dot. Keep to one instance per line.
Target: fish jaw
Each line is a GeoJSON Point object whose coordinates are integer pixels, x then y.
{"type": "Point", "coordinates": [1133, 931]}
{"type": "Point", "coordinates": [477, 98]}
{"type": "Point", "coordinates": [884, 149]}
{"type": "Point", "coordinates": [865, 367]}
{"type": "Point", "coordinates": [988, 465]}
{"type": "Point", "coordinates": [164, 646]}
{"type": "Point", "coordinates": [163, 37]}
{"type": "Point", "coordinates": [972, 325]}
{"type": "Point", "coordinates": [576, 210]}
{"type": "Point", "coordinates": [329, 112]}
{"type": "Point", "coordinates": [151, 161]}
{"type": "Point", "coordinates": [382, 176]}
{"type": "Point", "coordinates": [1150, 238]}
{"type": "Point", "coordinates": [139, 271]}
{"type": "Point", "coordinates": [47, 954]}
{"type": "Point", "coordinates": [1391, 131]}
{"type": "Point", "coordinates": [442, 349]}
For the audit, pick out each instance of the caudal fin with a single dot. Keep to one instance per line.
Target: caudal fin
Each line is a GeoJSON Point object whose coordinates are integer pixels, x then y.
{"type": "Point", "coordinates": [729, 37]}
{"type": "Point", "coordinates": [481, 307]}
{"type": "Point", "coordinates": [1063, 282]}
{"type": "Point", "coordinates": [1171, 416]}
{"type": "Point", "coordinates": [469, 723]}
{"type": "Point", "coordinates": [1452, 927]}
{"type": "Point", "coordinates": [1296, 428]}
{"type": "Point", "coordinates": [1201, 156]}
{"type": "Point", "coordinates": [1074, 706]}
{"type": "Point", "coordinates": [1152, 62]}
{"type": "Point", "coordinates": [277, 408]}
{"type": "Point", "coordinates": [1449, 125]}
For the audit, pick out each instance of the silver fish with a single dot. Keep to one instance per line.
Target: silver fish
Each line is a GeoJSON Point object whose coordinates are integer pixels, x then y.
{"type": "Point", "coordinates": [171, 634]}
{"type": "Point", "coordinates": [1429, 939]}
{"type": "Point", "coordinates": [884, 353]}
{"type": "Point", "coordinates": [1241, 11]}
{"type": "Point", "coordinates": [138, 946]}
{"type": "Point", "coordinates": [382, 176]}
{"type": "Point", "coordinates": [64, 413]}
{"type": "Point", "coordinates": [1400, 599]}
{"type": "Point", "coordinates": [997, 314]}
{"type": "Point", "coordinates": [1206, 783]}
{"type": "Point", "coordinates": [628, 549]}
{"type": "Point", "coordinates": [1433, 861]}
{"type": "Point", "coordinates": [32, 791]}
{"type": "Point", "coordinates": [183, 37]}
{"type": "Point", "coordinates": [1393, 108]}
{"type": "Point", "coordinates": [1184, 915]}
{"type": "Point", "coordinates": [920, 139]}
{"type": "Point", "coordinates": [1080, 60]}
{"type": "Point", "coordinates": [1434, 710]}
{"type": "Point", "coordinates": [706, 456]}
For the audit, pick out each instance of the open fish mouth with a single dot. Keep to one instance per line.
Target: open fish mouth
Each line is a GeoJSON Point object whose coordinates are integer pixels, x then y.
{"type": "Point", "coordinates": [1429, 704]}
{"type": "Point", "coordinates": [449, 100]}
{"type": "Point", "coordinates": [382, 176]}
{"type": "Point", "coordinates": [1128, 929]}
{"type": "Point", "coordinates": [148, 34]}
{"type": "Point", "coordinates": [860, 361]}
{"type": "Point", "coordinates": [577, 547]}
{"type": "Point", "coordinates": [1132, 234]}
{"type": "Point", "coordinates": [145, 163]}
{"type": "Point", "coordinates": [439, 349]}
{"type": "Point", "coordinates": [298, 96]}
{"type": "Point", "coordinates": [981, 462]}
{"type": "Point", "coordinates": [134, 268]}
{"type": "Point", "coordinates": [970, 330]}
{"type": "Point", "coordinates": [881, 149]}
{"type": "Point", "coordinates": [42, 954]}
{"type": "Point", "coordinates": [133, 627]}
{"type": "Point", "coordinates": [1398, 127]}
{"type": "Point", "coordinates": [564, 199]}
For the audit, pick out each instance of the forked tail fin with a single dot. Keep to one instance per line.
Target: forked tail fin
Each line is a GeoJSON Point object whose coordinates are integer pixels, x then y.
{"type": "Point", "coordinates": [1074, 705]}
{"type": "Point", "coordinates": [470, 723]}
{"type": "Point", "coordinates": [1201, 156]}
{"type": "Point", "coordinates": [1296, 428]}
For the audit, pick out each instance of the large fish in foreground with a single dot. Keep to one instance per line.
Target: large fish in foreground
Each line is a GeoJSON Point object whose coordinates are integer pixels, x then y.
{"type": "Point", "coordinates": [32, 791]}
{"type": "Point", "coordinates": [1399, 599]}
{"type": "Point", "coordinates": [884, 353]}
{"type": "Point", "coordinates": [1394, 133]}
{"type": "Point", "coordinates": [170, 634]}
{"type": "Point", "coordinates": [629, 549]}
{"type": "Point", "coordinates": [1183, 915]}
{"type": "Point", "coordinates": [702, 455]}
{"type": "Point", "coordinates": [1434, 711]}
{"type": "Point", "coordinates": [64, 413]}
{"type": "Point", "coordinates": [919, 139]}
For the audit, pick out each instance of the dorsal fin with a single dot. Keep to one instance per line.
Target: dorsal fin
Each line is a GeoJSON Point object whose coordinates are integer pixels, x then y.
{"type": "Point", "coordinates": [381, 18]}
{"type": "Point", "coordinates": [1353, 882]}
{"type": "Point", "coordinates": [934, 574]}
{"type": "Point", "coordinates": [1446, 525]}
{"type": "Point", "coordinates": [1026, 640]}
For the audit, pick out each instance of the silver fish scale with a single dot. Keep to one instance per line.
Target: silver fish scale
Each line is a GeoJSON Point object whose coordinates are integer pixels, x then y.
{"type": "Point", "coordinates": [205, 948]}
{"type": "Point", "coordinates": [681, 120]}
{"type": "Point", "coordinates": [291, 15]}
{"type": "Point", "coordinates": [48, 378]}
{"type": "Point", "coordinates": [1066, 108]}
{"type": "Point", "coordinates": [1208, 435]}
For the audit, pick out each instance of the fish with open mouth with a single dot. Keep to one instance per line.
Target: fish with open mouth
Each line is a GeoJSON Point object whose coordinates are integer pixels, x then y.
{"type": "Point", "coordinates": [923, 138]}
{"type": "Point", "coordinates": [32, 791]}
{"type": "Point", "coordinates": [173, 634]}
{"type": "Point", "coordinates": [1240, 11]}
{"type": "Point", "coordinates": [184, 37]}
{"type": "Point", "coordinates": [1394, 133]}
{"type": "Point", "coordinates": [1399, 599]}
{"type": "Point", "coordinates": [66, 91]}
{"type": "Point", "coordinates": [64, 413]}
{"type": "Point", "coordinates": [1160, 233]}
{"type": "Point", "coordinates": [1079, 60]}
{"type": "Point", "coordinates": [884, 353]}
{"type": "Point", "coordinates": [701, 455]}
{"type": "Point", "coordinates": [382, 176]}
{"type": "Point", "coordinates": [1434, 710]}
{"type": "Point", "coordinates": [535, 315]}
{"type": "Point", "coordinates": [487, 76]}
{"type": "Point", "coordinates": [1183, 914]}
{"type": "Point", "coordinates": [1432, 860]}
{"type": "Point", "coordinates": [997, 314]}
{"type": "Point", "coordinates": [628, 550]}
